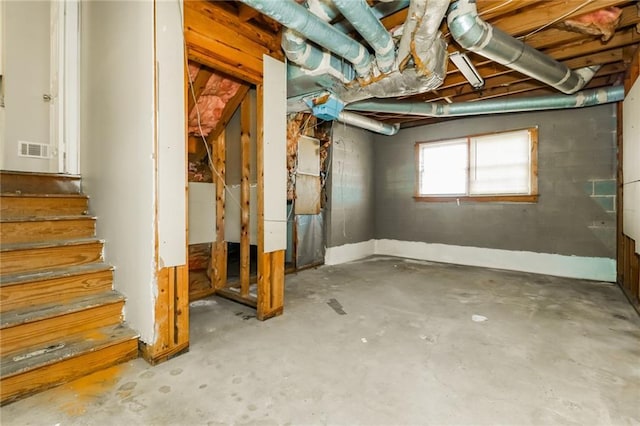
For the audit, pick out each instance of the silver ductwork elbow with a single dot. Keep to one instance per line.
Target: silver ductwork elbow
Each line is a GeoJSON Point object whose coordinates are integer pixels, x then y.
{"type": "Point", "coordinates": [367, 123]}
{"type": "Point", "coordinates": [476, 35]}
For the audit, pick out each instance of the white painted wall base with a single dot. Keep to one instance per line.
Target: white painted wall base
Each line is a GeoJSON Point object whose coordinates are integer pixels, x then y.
{"type": "Point", "coordinates": [591, 268]}
{"type": "Point", "coordinates": [349, 252]}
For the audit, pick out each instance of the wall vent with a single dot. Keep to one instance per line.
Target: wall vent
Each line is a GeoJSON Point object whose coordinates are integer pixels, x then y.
{"type": "Point", "coordinates": [33, 150]}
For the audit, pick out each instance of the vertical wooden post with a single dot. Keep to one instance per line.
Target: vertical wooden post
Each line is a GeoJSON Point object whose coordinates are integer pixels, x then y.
{"type": "Point", "coordinates": [219, 248]}
{"type": "Point", "coordinates": [270, 265]}
{"type": "Point", "coordinates": [245, 243]}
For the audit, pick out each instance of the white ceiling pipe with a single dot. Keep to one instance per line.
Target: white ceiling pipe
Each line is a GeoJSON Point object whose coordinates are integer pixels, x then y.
{"type": "Point", "coordinates": [367, 123]}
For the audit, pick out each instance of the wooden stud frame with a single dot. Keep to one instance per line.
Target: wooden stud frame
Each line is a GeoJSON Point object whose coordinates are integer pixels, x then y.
{"type": "Point", "coordinates": [231, 44]}
{"type": "Point", "coordinates": [245, 149]}
{"type": "Point", "coordinates": [628, 261]}
{"type": "Point", "coordinates": [270, 265]}
{"type": "Point", "coordinates": [172, 300]}
{"type": "Point", "coordinates": [219, 247]}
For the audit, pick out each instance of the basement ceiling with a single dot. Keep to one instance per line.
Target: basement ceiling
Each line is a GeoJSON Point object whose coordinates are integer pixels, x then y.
{"type": "Point", "coordinates": [578, 33]}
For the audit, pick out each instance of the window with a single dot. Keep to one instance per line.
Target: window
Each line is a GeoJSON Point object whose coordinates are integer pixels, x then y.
{"type": "Point", "coordinates": [492, 167]}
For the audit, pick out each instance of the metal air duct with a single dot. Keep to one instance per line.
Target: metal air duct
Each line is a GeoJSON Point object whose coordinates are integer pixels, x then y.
{"type": "Point", "coordinates": [478, 36]}
{"type": "Point", "coordinates": [360, 15]}
{"type": "Point", "coordinates": [292, 15]}
{"type": "Point", "coordinates": [368, 123]}
{"type": "Point", "coordinates": [432, 109]}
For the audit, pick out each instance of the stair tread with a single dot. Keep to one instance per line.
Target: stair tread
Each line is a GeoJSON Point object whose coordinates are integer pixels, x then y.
{"type": "Point", "coordinates": [43, 174]}
{"type": "Point", "coordinates": [47, 244]}
{"type": "Point", "coordinates": [36, 195]}
{"type": "Point", "coordinates": [58, 218]}
{"type": "Point", "coordinates": [31, 314]}
{"type": "Point", "coordinates": [68, 347]}
{"type": "Point", "coordinates": [52, 273]}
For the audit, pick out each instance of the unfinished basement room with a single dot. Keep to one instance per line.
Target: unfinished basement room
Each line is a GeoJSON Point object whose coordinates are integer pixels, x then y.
{"type": "Point", "coordinates": [320, 212]}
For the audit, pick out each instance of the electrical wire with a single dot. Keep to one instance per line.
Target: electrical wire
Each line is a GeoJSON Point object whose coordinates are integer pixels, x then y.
{"type": "Point", "coordinates": [559, 18]}
{"type": "Point", "coordinates": [198, 117]}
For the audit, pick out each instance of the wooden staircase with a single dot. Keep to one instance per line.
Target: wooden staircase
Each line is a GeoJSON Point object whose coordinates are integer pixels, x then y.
{"type": "Point", "coordinates": [60, 318]}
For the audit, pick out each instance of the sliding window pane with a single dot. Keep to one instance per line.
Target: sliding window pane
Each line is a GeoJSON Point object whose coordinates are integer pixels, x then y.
{"type": "Point", "coordinates": [443, 168]}
{"type": "Point", "coordinates": [500, 164]}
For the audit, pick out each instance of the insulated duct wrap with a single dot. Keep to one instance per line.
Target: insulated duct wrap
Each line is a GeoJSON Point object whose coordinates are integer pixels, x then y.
{"type": "Point", "coordinates": [409, 82]}
{"type": "Point", "coordinates": [296, 17]}
{"type": "Point", "coordinates": [365, 22]}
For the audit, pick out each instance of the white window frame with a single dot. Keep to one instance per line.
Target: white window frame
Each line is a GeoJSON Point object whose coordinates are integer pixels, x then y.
{"type": "Point", "coordinates": [531, 196]}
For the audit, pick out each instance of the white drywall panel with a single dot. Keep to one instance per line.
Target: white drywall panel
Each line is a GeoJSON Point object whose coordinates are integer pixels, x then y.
{"type": "Point", "coordinates": [308, 156]}
{"type": "Point", "coordinates": [631, 134]}
{"type": "Point", "coordinates": [26, 78]}
{"type": "Point", "coordinates": [308, 190]}
{"type": "Point", "coordinates": [202, 212]}
{"type": "Point", "coordinates": [232, 214]}
{"type": "Point", "coordinates": [117, 155]}
{"type": "Point", "coordinates": [275, 155]}
{"type": "Point", "coordinates": [631, 211]}
{"type": "Point", "coordinates": [171, 135]}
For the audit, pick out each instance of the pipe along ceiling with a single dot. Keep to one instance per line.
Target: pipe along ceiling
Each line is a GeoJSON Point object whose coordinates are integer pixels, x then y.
{"type": "Point", "coordinates": [329, 71]}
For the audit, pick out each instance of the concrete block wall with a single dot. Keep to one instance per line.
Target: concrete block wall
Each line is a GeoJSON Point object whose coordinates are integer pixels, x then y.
{"type": "Point", "coordinates": [576, 168]}
{"type": "Point", "coordinates": [351, 208]}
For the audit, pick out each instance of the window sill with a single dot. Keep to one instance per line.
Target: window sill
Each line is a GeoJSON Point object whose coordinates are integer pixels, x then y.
{"type": "Point", "coordinates": [533, 198]}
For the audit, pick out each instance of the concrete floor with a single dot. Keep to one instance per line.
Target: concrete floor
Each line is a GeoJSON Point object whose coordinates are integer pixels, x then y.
{"type": "Point", "coordinates": [413, 348]}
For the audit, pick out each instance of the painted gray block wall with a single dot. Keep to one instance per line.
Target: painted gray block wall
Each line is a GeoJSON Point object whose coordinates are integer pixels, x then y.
{"type": "Point", "coordinates": [350, 208]}
{"type": "Point", "coordinates": [576, 168]}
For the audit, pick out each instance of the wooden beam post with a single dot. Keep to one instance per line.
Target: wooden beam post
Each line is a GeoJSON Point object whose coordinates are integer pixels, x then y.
{"type": "Point", "coordinates": [270, 265]}
{"type": "Point", "coordinates": [219, 247]}
{"type": "Point", "coordinates": [245, 243]}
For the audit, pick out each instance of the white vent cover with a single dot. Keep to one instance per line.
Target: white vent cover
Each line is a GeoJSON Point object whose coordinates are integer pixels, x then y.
{"type": "Point", "coordinates": [33, 150]}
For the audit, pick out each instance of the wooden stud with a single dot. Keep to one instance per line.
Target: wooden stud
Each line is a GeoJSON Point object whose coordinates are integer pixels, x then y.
{"type": "Point", "coordinates": [219, 248]}
{"type": "Point", "coordinates": [264, 259]}
{"type": "Point", "coordinates": [245, 243]}
{"type": "Point", "coordinates": [270, 265]}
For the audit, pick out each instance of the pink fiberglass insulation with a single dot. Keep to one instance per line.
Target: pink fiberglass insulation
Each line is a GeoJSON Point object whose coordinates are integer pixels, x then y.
{"type": "Point", "coordinates": [601, 22]}
{"type": "Point", "coordinates": [211, 103]}
{"type": "Point", "coordinates": [193, 70]}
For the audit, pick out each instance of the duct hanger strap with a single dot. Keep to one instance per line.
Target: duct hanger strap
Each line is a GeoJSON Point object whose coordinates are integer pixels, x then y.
{"type": "Point", "coordinates": [478, 36]}
{"type": "Point", "coordinates": [292, 15]}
